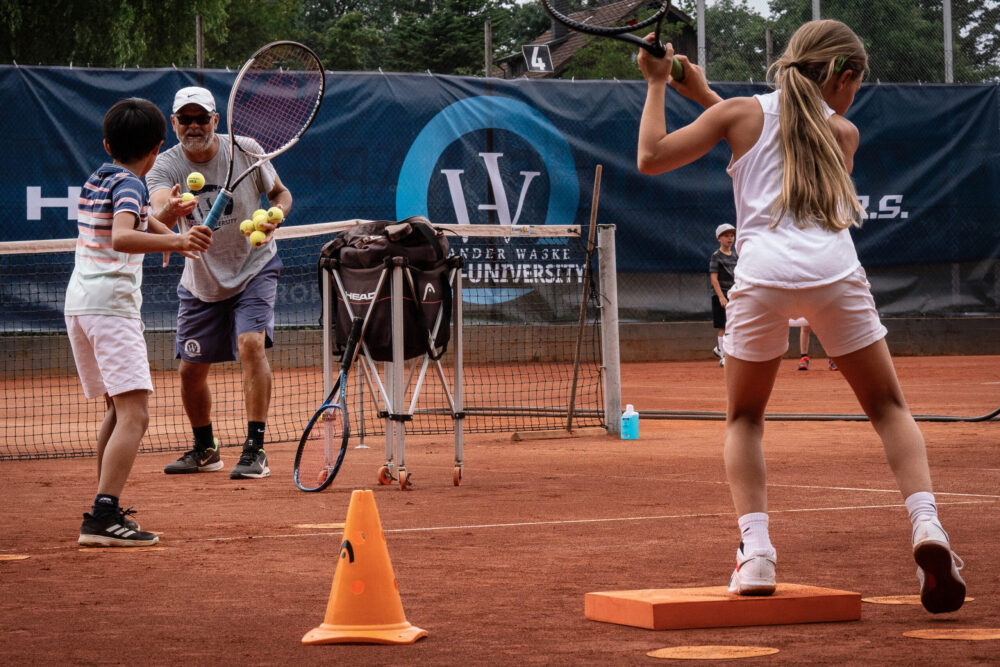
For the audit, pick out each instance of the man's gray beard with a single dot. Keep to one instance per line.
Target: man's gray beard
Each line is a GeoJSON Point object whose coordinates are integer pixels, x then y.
{"type": "Point", "coordinates": [197, 144]}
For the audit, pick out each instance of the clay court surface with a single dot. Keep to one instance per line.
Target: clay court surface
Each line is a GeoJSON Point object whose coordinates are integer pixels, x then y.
{"type": "Point", "coordinates": [496, 569]}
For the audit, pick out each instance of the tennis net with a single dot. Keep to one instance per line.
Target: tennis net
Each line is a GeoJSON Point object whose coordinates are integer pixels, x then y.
{"type": "Point", "coordinates": [522, 296]}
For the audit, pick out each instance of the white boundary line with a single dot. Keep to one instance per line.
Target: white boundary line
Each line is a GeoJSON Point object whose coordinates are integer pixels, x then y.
{"type": "Point", "coordinates": [562, 522]}
{"type": "Point", "coordinates": [569, 522]}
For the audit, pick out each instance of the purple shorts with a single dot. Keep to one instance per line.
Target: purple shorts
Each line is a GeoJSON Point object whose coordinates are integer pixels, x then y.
{"type": "Point", "coordinates": [208, 333]}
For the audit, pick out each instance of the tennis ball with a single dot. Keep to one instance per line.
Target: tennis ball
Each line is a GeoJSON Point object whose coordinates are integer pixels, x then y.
{"type": "Point", "coordinates": [195, 180]}
{"type": "Point", "coordinates": [259, 218]}
{"type": "Point", "coordinates": [247, 227]}
{"type": "Point", "coordinates": [274, 215]}
{"type": "Point", "coordinates": [187, 196]}
{"type": "Point", "coordinates": [257, 238]}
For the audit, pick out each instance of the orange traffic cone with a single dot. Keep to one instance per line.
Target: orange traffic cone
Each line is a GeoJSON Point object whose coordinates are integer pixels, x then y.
{"type": "Point", "coordinates": [364, 604]}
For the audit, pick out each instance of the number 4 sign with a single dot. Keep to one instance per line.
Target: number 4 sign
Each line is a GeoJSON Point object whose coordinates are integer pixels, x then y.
{"type": "Point", "coordinates": [537, 57]}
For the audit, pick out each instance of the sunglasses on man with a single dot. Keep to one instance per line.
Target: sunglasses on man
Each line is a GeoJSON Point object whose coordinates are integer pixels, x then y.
{"type": "Point", "coordinates": [184, 119]}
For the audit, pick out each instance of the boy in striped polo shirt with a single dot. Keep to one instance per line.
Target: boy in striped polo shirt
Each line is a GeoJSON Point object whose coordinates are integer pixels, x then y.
{"type": "Point", "coordinates": [103, 302]}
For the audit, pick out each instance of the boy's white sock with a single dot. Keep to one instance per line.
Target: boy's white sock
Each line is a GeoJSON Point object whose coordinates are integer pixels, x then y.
{"type": "Point", "coordinates": [921, 507]}
{"type": "Point", "coordinates": [722, 350]}
{"type": "Point", "coordinates": [753, 532]}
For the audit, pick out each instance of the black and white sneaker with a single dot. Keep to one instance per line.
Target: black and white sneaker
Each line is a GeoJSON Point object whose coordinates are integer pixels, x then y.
{"type": "Point", "coordinates": [196, 460]}
{"type": "Point", "coordinates": [115, 531]}
{"type": "Point", "coordinates": [252, 464]}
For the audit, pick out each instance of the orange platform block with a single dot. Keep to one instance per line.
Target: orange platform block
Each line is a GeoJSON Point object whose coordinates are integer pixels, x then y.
{"type": "Point", "coordinates": [716, 607]}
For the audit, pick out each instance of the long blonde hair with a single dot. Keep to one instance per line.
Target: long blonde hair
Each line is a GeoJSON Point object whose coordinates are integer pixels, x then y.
{"type": "Point", "coordinates": [816, 187]}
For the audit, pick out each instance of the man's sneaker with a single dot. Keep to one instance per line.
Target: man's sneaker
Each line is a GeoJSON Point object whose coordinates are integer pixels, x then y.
{"type": "Point", "coordinates": [722, 361]}
{"type": "Point", "coordinates": [115, 531]}
{"type": "Point", "coordinates": [252, 465]}
{"type": "Point", "coordinates": [717, 352]}
{"type": "Point", "coordinates": [804, 363]}
{"type": "Point", "coordinates": [754, 573]}
{"type": "Point", "coordinates": [197, 460]}
{"type": "Point", "coordinates": [941, 587]}
{"type": "Point", "coordinates": [833, 366]}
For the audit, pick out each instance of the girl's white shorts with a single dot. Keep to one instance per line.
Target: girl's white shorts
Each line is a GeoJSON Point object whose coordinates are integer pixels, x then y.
{"type": "Point", "coordinates": [841, 314]}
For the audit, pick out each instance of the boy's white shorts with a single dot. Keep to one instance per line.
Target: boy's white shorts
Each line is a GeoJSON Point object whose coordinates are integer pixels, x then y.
{"type": "Point", "coordinates": [110, 354]}
{"type": "Point", "coordinates": [842, 315]}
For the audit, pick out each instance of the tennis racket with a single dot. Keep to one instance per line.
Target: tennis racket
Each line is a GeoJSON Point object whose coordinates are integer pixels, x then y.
{"type": "Point", "coordinates": [624, 31]}
{"type": "Point", "coordinates": [324, 442]}
{"type": "Point", "coordinates": [274, 99]}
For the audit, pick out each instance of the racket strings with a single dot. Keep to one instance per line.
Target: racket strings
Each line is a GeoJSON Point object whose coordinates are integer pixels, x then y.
{"type": "Point", "coordinates": [616, 19]}
{"type": "Point", "coordinates": [277, 97]}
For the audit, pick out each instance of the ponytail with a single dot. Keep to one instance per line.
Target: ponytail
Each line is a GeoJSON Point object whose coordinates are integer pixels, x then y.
{"type": "Point", "coordinates": [816, 187]}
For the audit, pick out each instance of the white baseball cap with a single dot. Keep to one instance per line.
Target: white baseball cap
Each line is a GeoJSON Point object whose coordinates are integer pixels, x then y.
{"type": "Point", "coordinates": [194, 95]}
{"type": "Point", "coordinates": [723, 228]}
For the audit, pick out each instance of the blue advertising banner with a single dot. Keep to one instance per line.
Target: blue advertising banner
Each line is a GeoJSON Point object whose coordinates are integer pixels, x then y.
{"type": "Point", "coordinates": [489, 151]}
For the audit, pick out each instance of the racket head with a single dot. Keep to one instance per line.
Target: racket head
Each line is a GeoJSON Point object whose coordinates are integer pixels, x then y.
{"type": "Point", "coordinates": [321, 448]}
{"type": "Point", "coordinates": [624, 30]}
{"type": "Point", "coordinates": [275, 97]}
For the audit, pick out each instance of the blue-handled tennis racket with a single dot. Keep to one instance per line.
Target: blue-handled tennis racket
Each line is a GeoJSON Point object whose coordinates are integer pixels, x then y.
{"type": "Point", "coordinates": [324, 441]}
{"type": "Point", "coordinates": [273, 102]}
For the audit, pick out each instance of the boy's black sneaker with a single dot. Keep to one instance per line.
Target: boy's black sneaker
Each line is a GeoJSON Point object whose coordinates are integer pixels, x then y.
{"type": "Point", "coordinates": [197, 460]}
{"type": "Point", "coordinates": [115, 531]}
{"type": "Point", "coordinates": [253, 463]}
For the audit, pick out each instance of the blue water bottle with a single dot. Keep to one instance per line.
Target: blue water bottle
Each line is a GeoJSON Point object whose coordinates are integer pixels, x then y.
{"type": "Point", "coordinates": [630, 423]}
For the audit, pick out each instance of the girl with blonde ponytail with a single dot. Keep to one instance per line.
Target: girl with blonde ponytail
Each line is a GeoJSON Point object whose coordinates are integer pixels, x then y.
{"type": "Point", "coordinates": [793, 153]}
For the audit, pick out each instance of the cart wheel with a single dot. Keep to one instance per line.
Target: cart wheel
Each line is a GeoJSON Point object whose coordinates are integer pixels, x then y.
{"type": "Point", "coordinates": [384, 476]}
{"type": "Point", "coordinates": [404, 480]}
{"type": "Point", "coordinates": [457, 476]}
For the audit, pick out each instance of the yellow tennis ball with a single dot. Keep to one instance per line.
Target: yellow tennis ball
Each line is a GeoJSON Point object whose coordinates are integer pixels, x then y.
{"type": "Point", "coordinates": [275, 215]}
{"type": "Point", "coordinates": [187, 196]}
{"type": "Point", "coordinates": [247, 227]}
{"type": "Point", "coordinates": [195, 180]}
{"type": "Point", "coordinates": [257, 238]}
{"type": "Point", "coordinates": [259, 218]}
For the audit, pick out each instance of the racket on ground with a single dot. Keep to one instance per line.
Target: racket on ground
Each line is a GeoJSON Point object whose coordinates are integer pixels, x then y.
{"type": "Point", "coordinates": [324, 441]}
{"type": "Point", "coordinates": [274, 99]}
{"type": "Point", "coordinates": [625, 28]}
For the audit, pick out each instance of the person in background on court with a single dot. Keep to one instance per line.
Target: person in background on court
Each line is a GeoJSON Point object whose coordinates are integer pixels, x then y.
{"type": "Point", "coordinates": [227, 297]}
{"type": "Point", "coordinates": [103, 302]}
{"type": "Point", "coordinates": [721, 271]}
{"type": "Point", "coordinates": [792, 156]}
{"type": "Point", "coordinates": [804, 332]}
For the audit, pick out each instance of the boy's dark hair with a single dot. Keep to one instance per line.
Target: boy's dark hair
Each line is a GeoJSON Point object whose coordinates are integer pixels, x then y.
{"type": "Point", "coordinates": [133, 127]}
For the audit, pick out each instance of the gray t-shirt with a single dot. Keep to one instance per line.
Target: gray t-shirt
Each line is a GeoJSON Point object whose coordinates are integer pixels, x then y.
{"type": "Point", "coordinates": [231, 262]}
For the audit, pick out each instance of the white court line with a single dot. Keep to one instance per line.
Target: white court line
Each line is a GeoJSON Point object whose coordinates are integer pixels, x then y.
{"type": "Point", "coordinates": [565, 522]}
{"type": "Point", "coordinates": [522, 524]}
{"type": "Point", "coordinates": [848, 488]}
{"type": "Point", "coordinates": [851, 488]}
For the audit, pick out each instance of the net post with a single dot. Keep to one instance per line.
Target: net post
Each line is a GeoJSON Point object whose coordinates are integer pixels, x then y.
{"type": "Point", "coordinates": [610, 355]}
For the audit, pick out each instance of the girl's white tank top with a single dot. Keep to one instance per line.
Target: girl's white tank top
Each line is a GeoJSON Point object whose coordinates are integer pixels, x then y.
{"type": "Point", "coordinates": [785, 256]}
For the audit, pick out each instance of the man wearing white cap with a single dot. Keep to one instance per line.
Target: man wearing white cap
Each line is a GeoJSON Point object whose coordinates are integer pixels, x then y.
{"type": "Point", "coordinates": [227, 296]}
{"type": "Point", "coordinates": [721, 273]}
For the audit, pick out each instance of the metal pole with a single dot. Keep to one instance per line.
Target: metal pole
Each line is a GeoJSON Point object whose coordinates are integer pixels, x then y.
{"type": "Point", "coordinates": [769, 46]}
{"type": "Point", "coordinates": [199, 42]}
{"type": "Point", "coordinates": [949, 74]}
{"type": "Point", "coordinates": [610, 353]}
{"type": "Point", "coordinates": [488, 30]}
{"type": "Point", "coordinates": [701, 34]}
{"type": "Point", "coordinates": [815, 10]}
